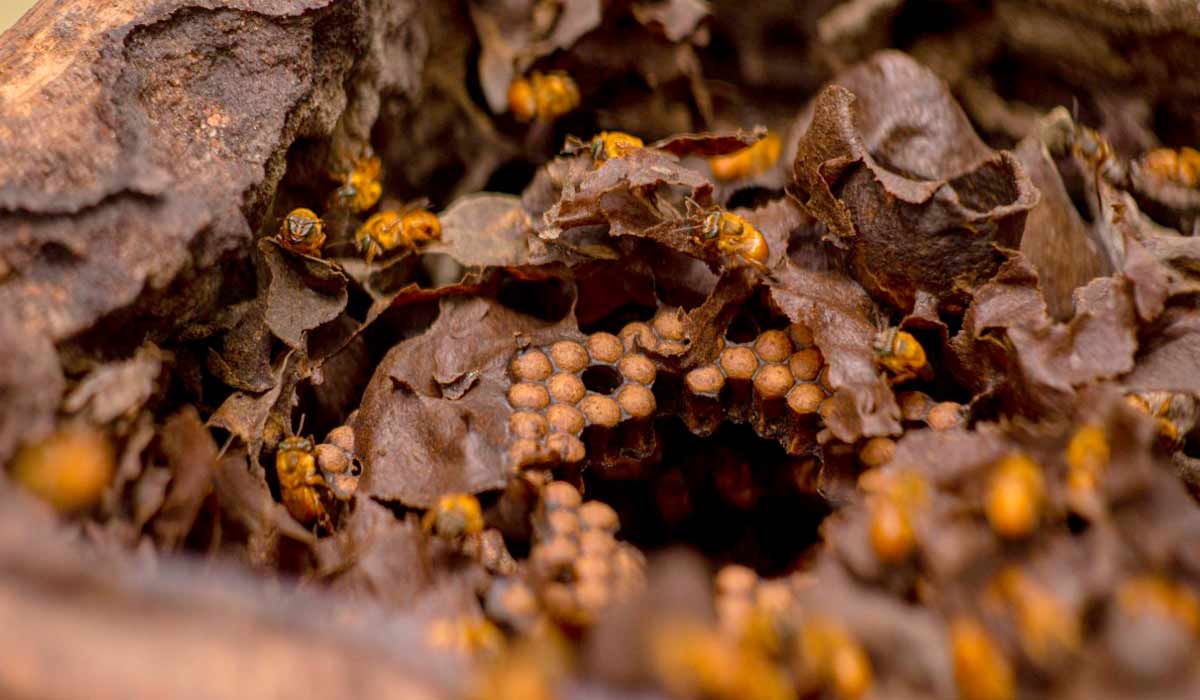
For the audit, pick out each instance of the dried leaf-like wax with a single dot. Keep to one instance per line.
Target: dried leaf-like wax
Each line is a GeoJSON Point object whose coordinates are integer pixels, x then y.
{"type": "Point", "coordinates": [305, 292]}
{"type": "Point", "coordinates": [434, 418]}
{"type": "Point", "coordinates": [192, 456]}
{"type": "Point", "coordinates": [892, 167]}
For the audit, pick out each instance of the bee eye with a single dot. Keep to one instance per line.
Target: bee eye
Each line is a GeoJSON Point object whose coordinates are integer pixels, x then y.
{"type": "Point", "coordinates": [597, 148]}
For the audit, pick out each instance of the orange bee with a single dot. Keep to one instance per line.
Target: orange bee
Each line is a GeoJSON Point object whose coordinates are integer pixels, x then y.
{"type": "Point", "coordinates": [303, 232]}
{"type": "Point", "coordinates": [454, 516]}
{"type": "Point", "coordinates": [736, 237]}
{"type": "Point", "coordinates": [1181, 167]}
{"type": "Point", "coordinates": [613, 144]}
{"type": "Point", "coordinates": [397, 230]}
{"type": "Point", "coordinates": [546, 97]}
{"type": "Point", "coordinates": [360, 188]}
{"type": "Point", "coordinates": [901, 355]}
{"type": "Point", "coordinates": [299, 481]}
{"type": "Point", "coordinates": [752, 160]}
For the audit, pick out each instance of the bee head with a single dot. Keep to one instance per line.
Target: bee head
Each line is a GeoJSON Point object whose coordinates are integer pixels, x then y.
{"type": "Point", "coordinates": [300, 228]}
{"type": "Point", "coordinates": [295, 443]}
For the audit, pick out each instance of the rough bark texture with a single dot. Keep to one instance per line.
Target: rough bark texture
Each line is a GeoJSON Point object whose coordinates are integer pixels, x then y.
{"type": "Point", "coordinates": [142, 141]}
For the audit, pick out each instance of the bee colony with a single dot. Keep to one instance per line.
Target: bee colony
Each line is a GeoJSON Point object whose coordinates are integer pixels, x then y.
{"type": "Point", "coordinates": [546, 349]}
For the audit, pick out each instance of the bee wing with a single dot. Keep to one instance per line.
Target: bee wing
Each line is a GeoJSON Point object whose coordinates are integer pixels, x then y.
{"type": "Point", "coordinates": [574, 144]}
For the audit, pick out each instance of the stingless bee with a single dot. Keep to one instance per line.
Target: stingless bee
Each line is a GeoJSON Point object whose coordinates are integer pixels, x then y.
{"type": "Point", "coordinates": [403, 230]}
{"type": "Point", "coordinates": [1180, 167]}
{"type": "Point", "coordinates": [456, 515]}
{"type": "Point", "coordinates": [901, 355]}
{"type": "Point", "coordinates": [735, 238]}
{"type": "Point", "coordinates": [303, 232]}
{"type": "Point", "coordinates": [300, 481]}
{"type": "Point", "coordinates": [360, 188]}
{"type": "Point", "coordinates": [544, 96]}
{"type": "Point", "coordinates": [607, 145]}
{"type": "Point", "coordinates": [750, 161]}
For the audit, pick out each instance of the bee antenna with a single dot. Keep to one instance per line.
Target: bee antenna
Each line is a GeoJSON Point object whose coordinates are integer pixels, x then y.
{"type": "Point", "coordinates": [300, 429]}
{"type": "Point", "coordinates": [224, 448]}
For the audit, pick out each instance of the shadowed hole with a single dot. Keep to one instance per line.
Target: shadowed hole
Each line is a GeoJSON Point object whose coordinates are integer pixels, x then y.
{"type": "Point", "coordinates": [549, 299]}
{"type": "Point", "coordinates": [601, 379]}
{"type": "Point", "coordinates": [734, 496]}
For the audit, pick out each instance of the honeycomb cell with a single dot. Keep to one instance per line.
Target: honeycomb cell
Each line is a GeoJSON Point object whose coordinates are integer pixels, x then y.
{"type": "Point", "coordinates": [636, 400]}
{"type": "Point", "coordinates": [600, 410]}
{"type": "Point", "coordinates": [568, 447]}
{"type": "Point", "coordinates": [944, 416]}
{"type": "Point", "coordinates": [597, 515]}
{"type": "Point", "coordinates": [739, 363]}
{"type": "Point", "coordinates": [637, 368]}
{"type": "Point", "coordinates": [914, 405]}
{"type": "Point", "coordinates": [705, 380]}
{"type": "Point", "coordinates": [605, 347]}
{"type": "Point", "coordinates": [564, 418]}
{"type": "Point", "coordinates": [805, 364]}
{"type": "Point", "coordinates": [590, 566]}
{"type": "Point", "coordinates": [560, 494]}
{"type": "Point", "coordinates": [877, 452]}
{"type": "Point", "coordinates": [569, 356]}
{"type": "Point", "coordinates": [526, 424]}
{"type": "Point", "coordinates": [566, 388]}
{"type": "Point", "coordinates": [562, 521]}
{"type": "Point", "coordinates": [670, 324]}
{"type": "Point", "coordinates": [531, 366]}
{"type": "Point", "coordinates": [773, 381]}
{"type": "Point", "coordinates": [773, 346]}
{"type": "Point", "coordinates": [800, 335]}
{"type": "Point", "coordinates": [805, 398]}
{"type": "Point", "coordinates": [528, 396]}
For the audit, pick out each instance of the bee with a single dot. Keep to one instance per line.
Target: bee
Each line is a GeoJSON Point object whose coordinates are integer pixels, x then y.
{"type": "Point", "coordinates": [544, 96]}
{"type": "Point", "coordinates": [299, 481]}
{"type": "Point", "coordinates": [1015, 495]}
{"type": "Point", "coordinates": [1091, 148]}
{"type": "Point", "coordinates": [981, 670]}
{"type": "Point", "coordinates": [360, 189]}
{"type": "Point", "coordinates": [1180, 167]}
{"type": "Point", "coordinates": [1047, 627]}
{"type": "Point", "coordinates": [302, 231]}
{"type": "Point", "coordinates": [1176, 414]}
{"type": "Point", "coordinates": [1088, 454]}
{"type": "Point", "coordinates": [70, 469]}
{"type": "Point", "coordinates": [901, 355]}
{"type": "Point", "coordinates": [750, 161]}
{"type": "Point", "coordinates": [397, 230]}
{"type": "Point", "coordinates": [735, 237]}
{"type": "Point", "coordinates": [454, 516]}
{"type": "Point", "coordinates": [613, 144]}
